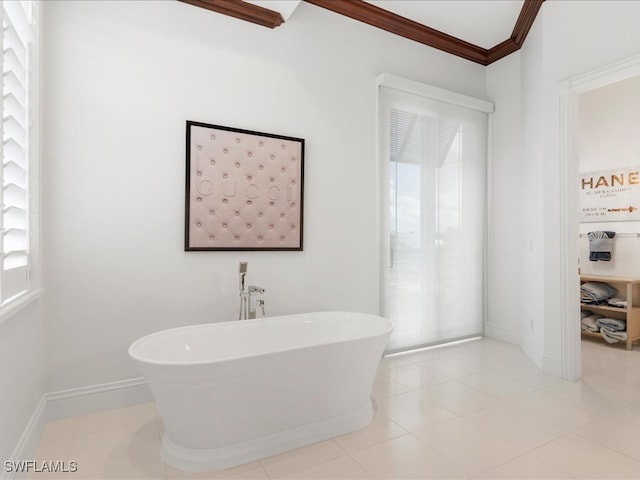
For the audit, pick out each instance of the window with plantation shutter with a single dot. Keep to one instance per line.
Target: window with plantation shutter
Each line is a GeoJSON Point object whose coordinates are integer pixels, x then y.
{"type": "Point", "coordinates": [17, 132]}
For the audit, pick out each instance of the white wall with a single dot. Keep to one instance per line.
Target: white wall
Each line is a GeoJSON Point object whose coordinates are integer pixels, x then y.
{"type": "Point", "coordinates": [515, 253]}
{"type": "Point", "coordinates": [22, 373]}
{"type": "Point", "coordinates": [532, 260]}
{"type": "Point", "coordinates": [505, 245]}
{"type": "Point", "coordinates": [568, 38]}
{"type": "Point", "coordinates": [609, 124]}
{"type": "Point", "coordinates": [121, 79]}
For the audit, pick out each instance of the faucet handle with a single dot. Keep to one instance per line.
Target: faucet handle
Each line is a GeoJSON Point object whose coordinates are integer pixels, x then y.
{"type": "Point", "coordinates": [242, 272]}
{"type": "Point", "coordinates": [254, 289]}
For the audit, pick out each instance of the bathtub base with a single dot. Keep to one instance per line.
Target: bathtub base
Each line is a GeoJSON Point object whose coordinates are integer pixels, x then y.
{"type": "Point", "coordinates": [202, 460]}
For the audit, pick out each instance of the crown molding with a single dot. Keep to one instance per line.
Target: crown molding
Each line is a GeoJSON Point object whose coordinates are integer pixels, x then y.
{"type": "Point", "coordinates": [501, 50]}
{"type": "Point", "coordinates": [385, 20]}
{"type": "Point", "coordinates": [242, 10]}
{"type": "Point", "coordinates": [527, 16]}
{"type": "Point", "coordinates": [378, 17]}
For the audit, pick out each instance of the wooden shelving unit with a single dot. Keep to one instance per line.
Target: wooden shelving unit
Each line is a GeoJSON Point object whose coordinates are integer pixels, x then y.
{"type": "Point", "coordinates": [628, 288]}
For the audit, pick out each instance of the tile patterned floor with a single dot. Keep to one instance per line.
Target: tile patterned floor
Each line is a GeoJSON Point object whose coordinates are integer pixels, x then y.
{"type": "Point", "coordinates": [475, 410]}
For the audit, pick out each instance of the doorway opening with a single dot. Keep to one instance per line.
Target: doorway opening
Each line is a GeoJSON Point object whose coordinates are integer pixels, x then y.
{"type": "Point", "coordinates": [572, 142]}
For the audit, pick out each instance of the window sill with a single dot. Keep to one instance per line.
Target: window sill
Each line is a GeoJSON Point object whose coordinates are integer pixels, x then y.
{"type": "Point", "coordinates": [18, 303]}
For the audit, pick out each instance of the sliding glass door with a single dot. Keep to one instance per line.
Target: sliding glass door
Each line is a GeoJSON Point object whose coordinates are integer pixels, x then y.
{"type": "Point", "coordinates": [434, 176]}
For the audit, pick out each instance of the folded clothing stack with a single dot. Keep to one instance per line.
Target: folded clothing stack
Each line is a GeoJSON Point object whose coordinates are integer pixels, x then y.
{"type": "Point", "coordinates": [612, 329]}
{"type": "Point", "coordinates": [617, 302]}
{"type": "Point", "coordinates": [613, 336]}
{"type": "Point", "coordinates": [596, 292]}
{"type": "Point", "coordinates": [612, 324]}
{"type": "Point", "coordinates": [589, 322]}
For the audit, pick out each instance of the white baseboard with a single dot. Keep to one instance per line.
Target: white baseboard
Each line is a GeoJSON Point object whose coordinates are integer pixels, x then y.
{"type": "Point", "coordinates": [28, 441]}
{"type": "Point", "coordinates": [96, 398]}
{"type": "Point", "coordinates": [507, 334]}
{"type": "Point", "coordinates": [552, 364]}
{"type": "Point", "coordinates": [71, 403]}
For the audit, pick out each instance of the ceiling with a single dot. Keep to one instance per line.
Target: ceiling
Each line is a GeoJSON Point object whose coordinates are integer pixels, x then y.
{"type": "Point", "coordinates": [484, 23]}
{"type": "Point", "coordinates": [482, 31]}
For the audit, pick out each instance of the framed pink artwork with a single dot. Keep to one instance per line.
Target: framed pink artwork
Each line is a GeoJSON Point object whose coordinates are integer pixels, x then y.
{"type": "Point", "coordinates": [244, 189]}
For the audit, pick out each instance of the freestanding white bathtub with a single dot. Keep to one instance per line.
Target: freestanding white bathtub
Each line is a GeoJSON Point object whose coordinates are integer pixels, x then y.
{"type": "Point", "coordinates": [234, 392]}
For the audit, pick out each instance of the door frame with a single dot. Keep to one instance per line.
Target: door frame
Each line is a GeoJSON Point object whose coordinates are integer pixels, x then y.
{"type": "Point", "coordinates": [569, 95]}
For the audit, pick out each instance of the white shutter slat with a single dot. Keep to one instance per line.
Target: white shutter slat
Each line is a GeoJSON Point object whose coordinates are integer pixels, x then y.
{"type": "Point", "coordinates": [14, 240]}
{"type": "Point", "coordinates": [15, 259]}
{"type": "Point", "coordinates": [14, 174]}
{"type": "Point", "coordinates": [13, 130]}
{"type": "Point", "coordinates": [13, 66]}
{"type": "Point", "coordinates": [13, 109]}
{"type": "Point", "coordinates": [13, 151]}
{"type": "Point", "coordinates": [16, 18]}
{"type": "Point", "coordinates": [15, 254]}
{"type": "Point", "coordinates": [13, 85]}
{"type": "Point", "coordinates": [11, 41]}
{"type": "Point", "coordinates": [14, 217]}
{"type": "Point", "coordinates": [14, 195]}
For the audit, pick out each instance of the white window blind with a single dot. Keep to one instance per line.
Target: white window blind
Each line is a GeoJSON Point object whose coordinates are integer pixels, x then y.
{"type": "Point", "coordinates": [17, 132]}
{"type": "Point", "coordinates": [433, 182]}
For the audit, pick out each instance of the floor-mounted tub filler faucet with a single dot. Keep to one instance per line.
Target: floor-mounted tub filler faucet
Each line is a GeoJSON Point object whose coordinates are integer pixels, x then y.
{"type": "Point", "coordinates": [250, 298]}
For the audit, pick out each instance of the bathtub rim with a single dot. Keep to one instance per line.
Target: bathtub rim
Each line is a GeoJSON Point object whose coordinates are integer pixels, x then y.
{"type": "Point", "coordinates": [188, 363]}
